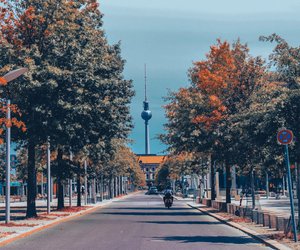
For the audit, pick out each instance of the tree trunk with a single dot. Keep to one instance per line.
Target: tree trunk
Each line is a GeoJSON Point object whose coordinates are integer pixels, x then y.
{"type": "Point", "coordinates": [110, 193]}
{"type": "Point", "coordinates": [228, 183]}
{"type": "Point", "coordinates": [60, 198]}
{"type": "Point", "coordinates": [31, 183]}
{"type": "Point", "coordinates": [78, 188]}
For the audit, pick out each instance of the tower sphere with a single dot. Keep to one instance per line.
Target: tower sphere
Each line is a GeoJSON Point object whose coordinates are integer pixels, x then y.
{"type": "Point", "coordinates": [146, 115]}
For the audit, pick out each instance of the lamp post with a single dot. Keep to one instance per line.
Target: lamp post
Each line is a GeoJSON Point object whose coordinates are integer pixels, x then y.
{"type": "Point", "coordinates": [7, 166]}
{"type": "Point", "coordinates": [4, 80]}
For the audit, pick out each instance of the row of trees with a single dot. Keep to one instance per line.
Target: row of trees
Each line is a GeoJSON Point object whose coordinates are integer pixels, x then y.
{"type": "Point", "coordinates": [74, 94]}
{"type": "Point", "coordinates": [234, 106]}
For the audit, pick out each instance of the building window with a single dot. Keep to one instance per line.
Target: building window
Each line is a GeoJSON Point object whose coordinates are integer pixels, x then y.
{"type": "Point", "coordinates": [147, 169]}
{"type": "Point", "coordinates": [147, 176]}
{"type": "Point", "coordinates": [153, 169]}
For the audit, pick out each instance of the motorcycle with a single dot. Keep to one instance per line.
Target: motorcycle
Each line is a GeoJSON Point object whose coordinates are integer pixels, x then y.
{"type": "Point", "coordinates": [168, 200]}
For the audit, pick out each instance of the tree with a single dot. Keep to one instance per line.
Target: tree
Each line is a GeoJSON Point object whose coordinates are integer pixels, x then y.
{"type": "Point", "coordinates": [220, 87]}
{"type": "Point", "coordinates": [75, 92]}
{"type": "Point", "coordinates": [285, 59]}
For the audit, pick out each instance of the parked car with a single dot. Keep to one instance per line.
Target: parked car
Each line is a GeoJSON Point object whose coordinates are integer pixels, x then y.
{"type": "Point", "coordinates": [152, 190]}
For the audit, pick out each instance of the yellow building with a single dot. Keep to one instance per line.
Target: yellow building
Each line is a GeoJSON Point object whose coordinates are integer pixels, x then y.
{"type": "Point", "coordinates": [149, 164]}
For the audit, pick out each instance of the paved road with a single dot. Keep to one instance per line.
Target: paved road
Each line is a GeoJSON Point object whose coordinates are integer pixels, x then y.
{"type": "Point", "coordinates": [140, 222]}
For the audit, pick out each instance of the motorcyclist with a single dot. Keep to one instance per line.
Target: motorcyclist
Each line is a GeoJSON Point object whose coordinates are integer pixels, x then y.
{"type": "Point", "coordinates": [168, 194]}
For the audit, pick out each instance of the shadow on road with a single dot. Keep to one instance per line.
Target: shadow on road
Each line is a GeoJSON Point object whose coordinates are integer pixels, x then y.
{"type": "Point", "coordinates": [18, 213]}
{"type": "Point", "coordinates": [151, 208]}
{"type": "Point", "coordinates": [167, 213]}
{"type": "Point", "coordinates": [183, 222]}
{"type": "Point", "coordinates": [209, 239]}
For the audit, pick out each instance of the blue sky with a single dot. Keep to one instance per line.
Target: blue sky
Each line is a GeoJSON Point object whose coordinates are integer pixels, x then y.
{"type": "Point", "coordinates": [169, 35]}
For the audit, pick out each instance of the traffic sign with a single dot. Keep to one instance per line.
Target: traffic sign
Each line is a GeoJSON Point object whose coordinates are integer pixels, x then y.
{"type": "Point", "coordinates": [285, 136]}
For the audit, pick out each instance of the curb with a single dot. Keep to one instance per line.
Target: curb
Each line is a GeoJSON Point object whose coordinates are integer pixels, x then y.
{"type": "Point", "coordinates": [271, 243]}
{"type": "Point", "coordinates": [57, 221]}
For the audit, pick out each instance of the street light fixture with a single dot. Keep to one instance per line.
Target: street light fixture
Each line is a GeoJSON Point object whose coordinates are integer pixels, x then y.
{"type": "Point", "coordinates": [4, 80]}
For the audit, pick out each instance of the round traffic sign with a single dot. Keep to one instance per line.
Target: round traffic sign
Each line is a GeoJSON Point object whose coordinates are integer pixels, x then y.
{"type": "Point", "coordinates": [285, 136]}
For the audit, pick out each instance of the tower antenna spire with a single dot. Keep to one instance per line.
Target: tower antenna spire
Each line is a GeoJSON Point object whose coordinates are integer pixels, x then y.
{"type": "Point", "coordinates": [146, 115]}
{"type": "Point", "coordinates": [145, 72]}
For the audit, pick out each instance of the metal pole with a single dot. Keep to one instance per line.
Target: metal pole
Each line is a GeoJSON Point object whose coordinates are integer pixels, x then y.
{"type": "Point", "coordinates": [85, 182]}
{"type": "Point", "coordinates": [291, 192]}
{"type": "Point", "coordinates": [48, 178]}
{"type": "Point", "coordinates": [90, 191]}
{"type": "Point", "coordinates": [102, 186]}
{"type": "Point", "coordinates": [252, 189]}
{"type": "Point", "coordinates": [283, 185]}
{"type": "Point", "coordinates": [70, 184]}
{"type": "Point", "coordinates": [51, 189]}
{"type": "Point", "coordinates": [42, 184]}
{"type": "Point", "coordinates": [298, 192]}
{"type": "Point", "coordinates": [7, 193]}
{"type": "Point", "coordinates": [267, 184]}
{"type": "Point", "coordinates": [94, 191]}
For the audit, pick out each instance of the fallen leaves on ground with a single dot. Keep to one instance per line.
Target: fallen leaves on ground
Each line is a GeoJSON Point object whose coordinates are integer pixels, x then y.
{"type": "Point", "coordinates": [59, 215]}
{"type": "Point", "coordinates": [41, 218]}
{"type": "Point", "coordinates": [12, 224]}
{"type": "Point", "coordinates": [239, 219]}
{"type": "Point", "coordinates": [4, 234]}
{"type": "Point", "coordinates": [73, 209]}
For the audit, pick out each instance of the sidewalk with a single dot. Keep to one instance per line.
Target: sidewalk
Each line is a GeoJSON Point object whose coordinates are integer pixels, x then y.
{"type": "Point", "coordinates": [21, 227]}
{"type": "Point", "coordinates": [264, 234]}
{"type": "Point", "coordinates": [261, 231]}
{"type": "Point", "coordinates": [281, 205]}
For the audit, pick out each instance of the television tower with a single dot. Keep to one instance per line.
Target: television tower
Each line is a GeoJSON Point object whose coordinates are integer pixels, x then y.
{"type": "Point", "coordinates": [146, 115]}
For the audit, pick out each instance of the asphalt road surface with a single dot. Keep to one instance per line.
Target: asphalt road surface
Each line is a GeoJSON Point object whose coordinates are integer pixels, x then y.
{"type": "Point", "coordinates": [140, 222]}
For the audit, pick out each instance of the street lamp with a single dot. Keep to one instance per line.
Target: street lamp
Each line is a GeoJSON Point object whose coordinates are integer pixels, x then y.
{"type": "Point", "coordinates": [4, 80]}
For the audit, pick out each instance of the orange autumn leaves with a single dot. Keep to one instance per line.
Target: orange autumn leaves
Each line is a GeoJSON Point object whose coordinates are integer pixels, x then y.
{"type": "Point", "coordinates": [9, 122]}
{"type": "Point", "coordinates": [2, 81]}
{"type": "Point", "coordinates": [217, 80]}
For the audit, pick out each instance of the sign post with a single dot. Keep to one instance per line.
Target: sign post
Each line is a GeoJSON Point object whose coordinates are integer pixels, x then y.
{"type": "Point", "coordinates": [285, 137]}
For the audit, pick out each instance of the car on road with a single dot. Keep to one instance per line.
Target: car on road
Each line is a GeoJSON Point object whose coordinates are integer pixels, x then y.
{"type": "Point", "coordinates": [152, 190]}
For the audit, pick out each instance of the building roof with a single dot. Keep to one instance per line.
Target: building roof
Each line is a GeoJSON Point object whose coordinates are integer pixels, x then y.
{"type": "Point", "coordinates": [151, 159]}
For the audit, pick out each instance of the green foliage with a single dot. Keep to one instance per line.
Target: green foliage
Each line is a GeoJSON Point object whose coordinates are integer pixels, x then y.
{"type": "Point", "coordinates": [237, 122]}
{"type": "Point", "coordinates": [74, 92]}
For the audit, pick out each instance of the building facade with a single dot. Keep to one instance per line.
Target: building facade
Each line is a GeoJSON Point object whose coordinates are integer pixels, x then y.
{"type": "Point", "coordinates": [149, 163]}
